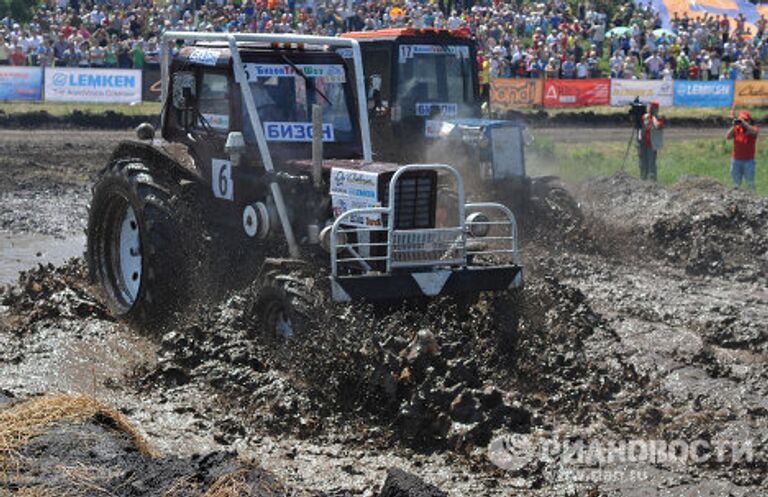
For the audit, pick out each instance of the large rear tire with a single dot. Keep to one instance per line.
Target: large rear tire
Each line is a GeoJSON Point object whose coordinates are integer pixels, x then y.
{"type": "Point", "coordinates": [135, 246]}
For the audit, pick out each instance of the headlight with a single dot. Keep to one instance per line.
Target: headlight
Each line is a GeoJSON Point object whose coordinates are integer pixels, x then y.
{"type": "Point", "coordinates": [478, 225]}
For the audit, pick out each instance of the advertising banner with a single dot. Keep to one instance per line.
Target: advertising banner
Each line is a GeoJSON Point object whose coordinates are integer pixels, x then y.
{"type": "Point", "coordinates": [21, 83]}
{"type": "Point", "coordinates": [703, 93]}
{"type": "Point", "coordinates": [576, 92]}
{"type": "Point", "coordinates": [68, 84]}
{"type": "Point", "coordinates": [509, 94]}
{"type": "Point", "coordinates": [151, 90]}
{"type": "Point", "coordinates": [750, 93]}
{"type": "Point", "coordinates": [624, 91]}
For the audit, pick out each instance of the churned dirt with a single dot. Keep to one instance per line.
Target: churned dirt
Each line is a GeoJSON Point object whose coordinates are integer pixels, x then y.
{"type": "Point", "coordinates": [643, 319]}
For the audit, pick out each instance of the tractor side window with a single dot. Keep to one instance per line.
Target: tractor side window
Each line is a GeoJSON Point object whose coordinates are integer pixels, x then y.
{"type": "Point", "coordinates": [213, 101]}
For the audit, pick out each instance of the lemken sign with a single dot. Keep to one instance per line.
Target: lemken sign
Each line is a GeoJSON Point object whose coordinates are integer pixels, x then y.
{"type": "Point", "coordinates": [95, 80]}
{"type": "Point", "coordinates": [92, 85]}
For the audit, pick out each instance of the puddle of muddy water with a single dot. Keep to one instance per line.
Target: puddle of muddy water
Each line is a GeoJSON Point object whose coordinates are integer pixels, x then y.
{"type": "Point", "coordinates": [20, 251]}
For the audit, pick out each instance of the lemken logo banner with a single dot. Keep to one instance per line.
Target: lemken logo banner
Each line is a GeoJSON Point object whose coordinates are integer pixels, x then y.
{"type": "Point", "coordinates": [703, 93]}
{"type": "Point", "coordinates": [92, 85]}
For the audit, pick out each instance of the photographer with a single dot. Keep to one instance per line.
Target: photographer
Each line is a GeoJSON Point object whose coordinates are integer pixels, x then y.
{"type": "Point", "coordinates": [650, 139]}
{"type": "Point", "coordinates": [743, 132]}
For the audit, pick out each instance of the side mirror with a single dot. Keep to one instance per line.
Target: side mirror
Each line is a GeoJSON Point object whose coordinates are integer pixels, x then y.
{"type": "Point", "coordinates": [184, 90]}
{"type": "Point", "coordinates": [145, 131]}
{"type": "Point", "coordinates": [374, 92]}
{"type": "Point", "coordinates": [235, 147]}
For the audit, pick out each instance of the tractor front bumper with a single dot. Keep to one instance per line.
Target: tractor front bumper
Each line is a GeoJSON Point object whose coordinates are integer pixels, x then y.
{"type": "Point", "coordinates": [438, 282]}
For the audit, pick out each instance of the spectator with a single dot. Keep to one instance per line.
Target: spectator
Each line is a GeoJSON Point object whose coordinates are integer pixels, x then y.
{"type": "Point", "coordinates": [569, 68]}
{"type": "Point", "coordinates": [629, 68]}
{"type": "Point", "coordinates": [650, 139]}
{"type": "Point", "coordinates": [5, 53]}
{"type": "Point", "coordinates": [137, 55]}
{"type": "Point", "coordinates": [582, 70]}
{"type": "Point", "coordinates": [743, 132]}
{"type": "Point", "coordinates": [17, 57]}
{"type": "Point", "coordinates": [616, 63]}
{"type": "Point", "coordinates": [654, 64]}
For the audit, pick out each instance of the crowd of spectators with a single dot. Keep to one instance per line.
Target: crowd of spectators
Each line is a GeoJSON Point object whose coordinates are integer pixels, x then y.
{"type": "Point", "coordinates": [517, 38]}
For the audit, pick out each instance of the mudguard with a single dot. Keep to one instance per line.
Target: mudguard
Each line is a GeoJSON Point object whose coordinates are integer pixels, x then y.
{"type": "Point", "coordinates": [162, 153]}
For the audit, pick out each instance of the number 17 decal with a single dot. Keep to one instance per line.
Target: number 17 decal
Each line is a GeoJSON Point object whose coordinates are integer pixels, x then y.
{"type": "Point", "coordinates": [221, 179]}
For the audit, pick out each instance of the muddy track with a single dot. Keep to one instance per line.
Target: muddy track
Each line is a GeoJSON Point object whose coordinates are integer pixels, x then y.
{"type": "Point", "coordinates": [640, 322]}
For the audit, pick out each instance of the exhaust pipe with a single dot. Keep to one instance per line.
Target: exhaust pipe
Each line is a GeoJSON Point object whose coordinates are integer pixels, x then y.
{"type": "Point", "coordinates": [317, 146]}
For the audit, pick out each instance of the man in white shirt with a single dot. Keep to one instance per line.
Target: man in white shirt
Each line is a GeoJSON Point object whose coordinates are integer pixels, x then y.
{"type": "Point", "coordinates": [582, 69]}
{"type": "Point", "coordinates": [653, 64]}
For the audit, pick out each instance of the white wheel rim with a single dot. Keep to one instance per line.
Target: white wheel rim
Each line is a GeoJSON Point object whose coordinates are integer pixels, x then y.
{"type": "Point", "coordinates": [129, 264]}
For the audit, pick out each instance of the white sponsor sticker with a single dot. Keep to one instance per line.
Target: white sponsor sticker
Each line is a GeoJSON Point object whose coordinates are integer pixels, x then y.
{"type": "Point", "coordinates": [221, 179]}
{"type": "Point", "coordinates": [330, 73]}
{"type": "Point", "coordinates": [410, 51]}
{"type": "Point", "coordinates": [444, 108]}
{"type": "Point", "coordinates": [344, 52]}
{"type": "Point", "coordinates": [295, 132]}
{"type": "Point", "coordinates": [361, 184]}
{"type": "Point", "coordinates": [344, 203]}
{"type": "Point", "coordinates": [204, 57]}
{"type": "Point", "coordinates": [432, 128]}
{"type": "Point", "coordinates": [217, 121]}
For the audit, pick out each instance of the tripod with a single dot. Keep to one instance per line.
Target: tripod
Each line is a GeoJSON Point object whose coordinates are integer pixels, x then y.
{"type": "Point", "coordinates": [632, 137]}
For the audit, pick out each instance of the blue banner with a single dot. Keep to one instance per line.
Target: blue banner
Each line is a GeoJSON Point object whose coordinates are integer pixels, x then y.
{"type": "Point", "coordinates": [21, 83]}
{"type": "Point", "coordinates": [703, 93]}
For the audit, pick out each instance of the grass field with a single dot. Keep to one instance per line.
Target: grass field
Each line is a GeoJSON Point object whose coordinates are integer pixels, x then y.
{"type": "Point", "coordinates": [63, 109]}
{"type": "Point", "coordinates": [576, 162]}
{"type": "Point", "coordinates": [677, 112]}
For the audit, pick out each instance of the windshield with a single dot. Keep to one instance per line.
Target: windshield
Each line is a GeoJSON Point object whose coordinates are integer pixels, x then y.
{"type": "Point", "coordinates": [284, 101]}
{"type": "Point", "coordinates": [434, 80]}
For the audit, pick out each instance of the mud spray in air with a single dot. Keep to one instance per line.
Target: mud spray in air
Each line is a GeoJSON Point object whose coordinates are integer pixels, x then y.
{"type": "Point", "coordinates": [643, 319]}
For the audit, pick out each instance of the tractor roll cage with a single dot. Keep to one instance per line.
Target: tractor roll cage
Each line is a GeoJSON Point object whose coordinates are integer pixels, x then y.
{"type": "Point", "coordinates": [405, 248]}
{"type": "Point", "coordinates": [237, 64]}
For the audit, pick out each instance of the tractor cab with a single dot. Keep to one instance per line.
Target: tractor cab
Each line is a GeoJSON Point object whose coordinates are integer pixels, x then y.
{"type": "Point", "coordinates": [424, 104]}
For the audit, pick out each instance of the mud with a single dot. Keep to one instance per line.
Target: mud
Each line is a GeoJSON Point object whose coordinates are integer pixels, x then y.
{"type": "Point", "coordinates": [643, 319]}
{"type": "Point", "coordinates": [77, 119]}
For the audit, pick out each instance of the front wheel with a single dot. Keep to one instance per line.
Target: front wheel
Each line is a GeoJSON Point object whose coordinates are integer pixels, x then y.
{"type": "Point", "coordinates": [286, 301]}
{"type": "Point", "coordinates": [134, 240]}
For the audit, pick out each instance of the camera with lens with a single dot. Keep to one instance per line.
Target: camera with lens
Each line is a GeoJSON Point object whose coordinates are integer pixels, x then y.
{"type": "Point", "coordinates": [636, 112]}
{"type": "Point", "coordinates": [737, 121]}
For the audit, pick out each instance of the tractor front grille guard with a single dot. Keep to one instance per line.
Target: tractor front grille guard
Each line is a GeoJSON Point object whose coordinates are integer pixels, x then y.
{"type": "Point", "coordinates": [375, 246]}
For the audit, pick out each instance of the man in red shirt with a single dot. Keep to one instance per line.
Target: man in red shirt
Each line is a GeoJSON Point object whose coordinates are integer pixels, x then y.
{"type": "Point", "coordinates": [744, 136]}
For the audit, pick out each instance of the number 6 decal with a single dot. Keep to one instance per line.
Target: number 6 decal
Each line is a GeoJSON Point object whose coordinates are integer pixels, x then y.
{"type": "Point", "coordinates": [221, 179]}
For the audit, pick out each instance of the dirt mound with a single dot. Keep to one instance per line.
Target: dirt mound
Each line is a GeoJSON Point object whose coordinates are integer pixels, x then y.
{"type": "Point", "coordinates": [553, 218]}
{"type": "Point", "coordinates": [697, 223]}
{"type": "Point", "coordinates": [433, 377]}
{"type": "Point", "coordinates": [49, 292]}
